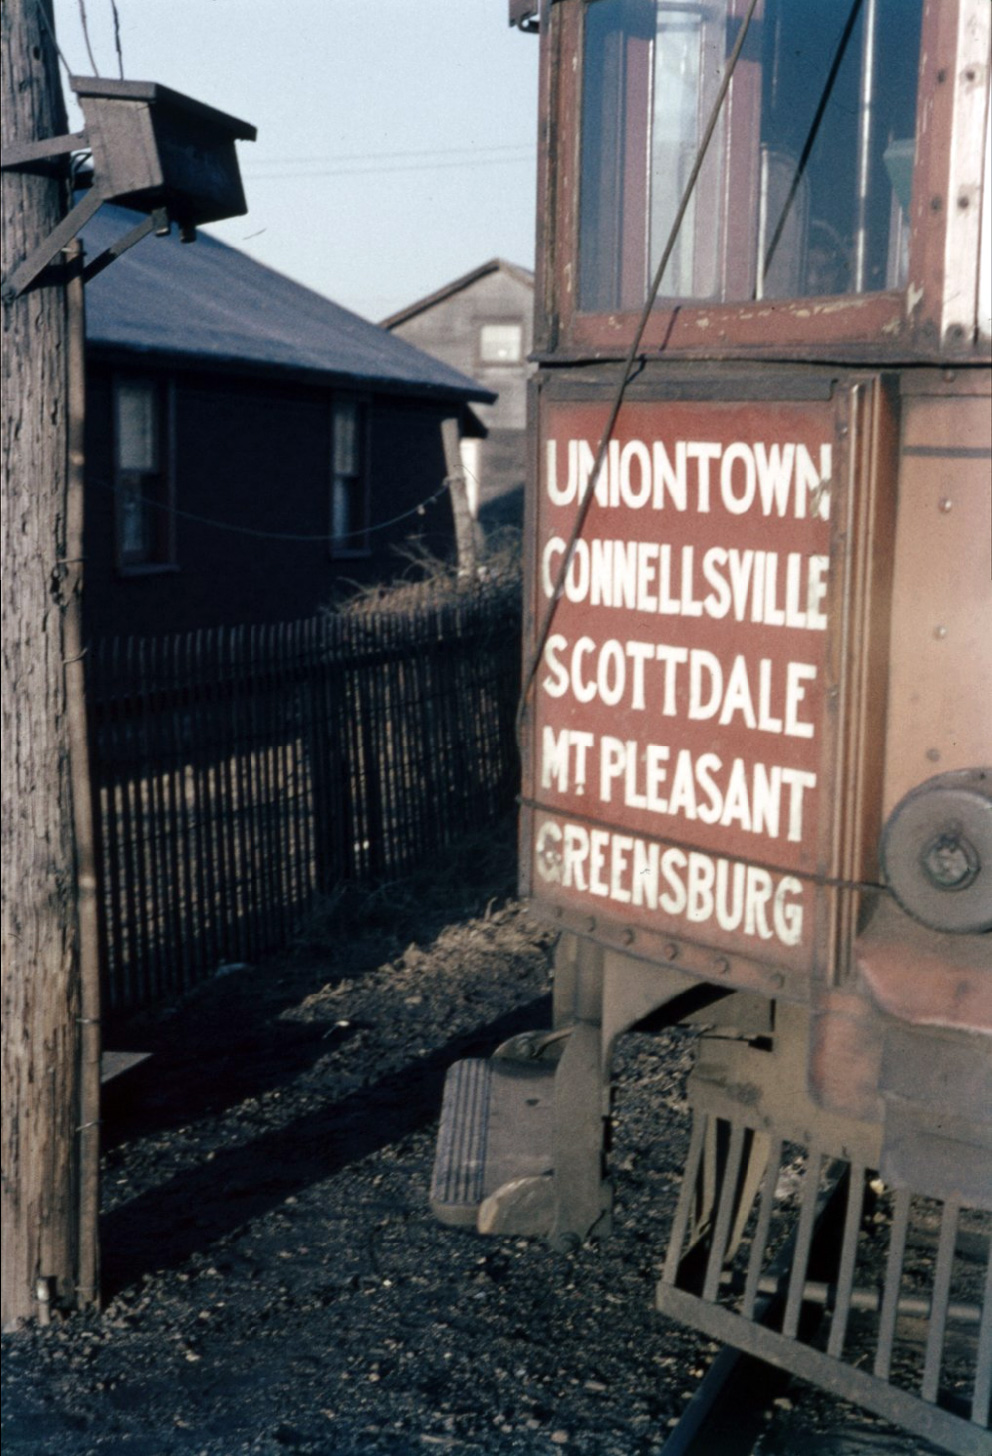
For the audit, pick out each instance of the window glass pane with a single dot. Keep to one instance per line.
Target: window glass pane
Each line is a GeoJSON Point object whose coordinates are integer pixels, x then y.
{"type": "Point", "coordinates": [345, 437]}
{"type": "Point", "coordinates": [346, 528]}
{"type": "Point", "coordinates": [137, 433]}
{"type": "Point", "coordinates": [134, 523]}
{"type": "Point", "coordinates": [805, 190]}
{"type": "Point", "coordinates": [688, 53]}
{"type": "Point", "coordinates": [500, 343]}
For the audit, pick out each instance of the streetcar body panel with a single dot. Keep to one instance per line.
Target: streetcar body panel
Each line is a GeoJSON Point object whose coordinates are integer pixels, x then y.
{"type": "Point", "coordinates": [756, 722]}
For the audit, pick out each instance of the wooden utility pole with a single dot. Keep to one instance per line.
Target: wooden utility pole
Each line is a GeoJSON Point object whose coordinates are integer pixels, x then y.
{"type": "Point", "coordinates": [40, 978]}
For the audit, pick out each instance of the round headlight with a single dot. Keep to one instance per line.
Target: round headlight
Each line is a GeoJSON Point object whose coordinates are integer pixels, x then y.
{"type": "Point", "coordinates": [937, 851]}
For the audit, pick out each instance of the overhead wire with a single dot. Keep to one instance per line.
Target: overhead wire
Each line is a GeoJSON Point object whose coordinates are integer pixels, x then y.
{"type": "Point", "coordinates": [232, 528]}
{"type": "Point", "coordinates": [86, 36]}
{"type": "Point", "coordinates": [377, 169]}
{"type": "Point", "coordinates": [389, 156]}
{"type": "Point", "coordinates": [39, 6]}
{"type": "Point", "coordinates": [117, 38]}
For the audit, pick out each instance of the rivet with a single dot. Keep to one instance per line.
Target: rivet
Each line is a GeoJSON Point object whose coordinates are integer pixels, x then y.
{"type": "Point", "coordinates": [777, 980]}
{"type": "Point", "coordinates": [945, 505]}
{"type": "Point", "coordinates": [941, 76]}
{"type": "Point", "coordinates": [671, 950]}
{"type": "Point", "coordinates": [964, 202]}
{"type": "Point", "coordinates": [721, 965]}
{"type": "Point", "coordinates": [935, 204]}
{"type": "Point", "coordinates": [933, 754]}
{"type": "Point", "coordinates": [950, 375]}
{"type": "Point", "coordinates": [628, 936]}
{"type": "Point", "coordinates": [940, 633]}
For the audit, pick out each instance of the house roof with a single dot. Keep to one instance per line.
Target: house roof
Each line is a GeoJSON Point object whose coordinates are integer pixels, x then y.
{"type": "Point", "coordinates": [210, 303]}
{"type": "Point", "coordinates": [495, 265]}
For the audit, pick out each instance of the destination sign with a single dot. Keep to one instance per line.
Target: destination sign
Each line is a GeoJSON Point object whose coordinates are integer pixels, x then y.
{"type": "Point", "coordinates": [680, 705]}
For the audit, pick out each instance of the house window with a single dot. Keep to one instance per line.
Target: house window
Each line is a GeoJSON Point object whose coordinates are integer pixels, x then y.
{"type": "Point", "coordinates": [805, 188]}
{"type": "Point", "coordinates": [349, 494]}
{"type": "Point", "coordinates": [143, 478]}
{"type": "Point", "coordinates": [501, 343]}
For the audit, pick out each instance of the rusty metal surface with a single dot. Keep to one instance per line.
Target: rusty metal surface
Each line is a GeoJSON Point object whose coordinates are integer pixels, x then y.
{"type": "Point", "coordinates": [925, 977]}
{"type": "Point", "coordinates": [940, 673]}
{"type": "Point", "coordinates": [845, 1054]}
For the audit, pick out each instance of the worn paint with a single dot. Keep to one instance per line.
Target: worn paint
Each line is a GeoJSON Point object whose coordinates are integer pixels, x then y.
{"type": "Point", "coordinates": [682, 722]}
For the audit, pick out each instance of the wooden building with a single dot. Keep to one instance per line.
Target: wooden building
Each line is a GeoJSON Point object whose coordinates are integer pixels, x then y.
{"type": "Point", "coordinates": [252, 448]}
{"type": "Point", "coordinates": [481, 324]}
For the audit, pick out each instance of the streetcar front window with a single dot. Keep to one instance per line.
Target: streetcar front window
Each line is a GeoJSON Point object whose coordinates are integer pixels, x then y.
{"type": "Point", "coordinates": [805, 187]}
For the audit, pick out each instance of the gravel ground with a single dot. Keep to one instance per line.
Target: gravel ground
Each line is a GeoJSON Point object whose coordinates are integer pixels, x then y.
{"type": "Point", "coordinates": [273, 1277]}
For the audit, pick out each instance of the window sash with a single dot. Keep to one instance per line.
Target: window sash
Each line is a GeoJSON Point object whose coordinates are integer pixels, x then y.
{"type": "Point", "coordinates": [636, 88]}
{"type": "Point", "coordinates": [501, 343]}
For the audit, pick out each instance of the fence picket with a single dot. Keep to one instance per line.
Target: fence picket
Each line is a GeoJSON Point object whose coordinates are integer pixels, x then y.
{"type": "Point", "coordinates": [236, 772]}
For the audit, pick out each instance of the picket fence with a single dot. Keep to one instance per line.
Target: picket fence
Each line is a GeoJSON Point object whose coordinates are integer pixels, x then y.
{"type": "Point", "coordinates": [239, 772]}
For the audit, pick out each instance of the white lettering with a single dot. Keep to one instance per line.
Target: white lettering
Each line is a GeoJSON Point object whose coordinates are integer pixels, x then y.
{"type": "Point", "coordinates": [630, 870]}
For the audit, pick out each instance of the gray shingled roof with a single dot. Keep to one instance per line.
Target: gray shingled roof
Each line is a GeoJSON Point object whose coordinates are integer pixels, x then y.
{"type": "Point", "coordinates": [210, 303]}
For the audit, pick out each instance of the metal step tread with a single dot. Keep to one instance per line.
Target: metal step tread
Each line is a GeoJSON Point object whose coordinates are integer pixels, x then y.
{"type": "Point", "coordinates": [495, 1126]}
{"type": "Point", "coordinates": [459, 1159]}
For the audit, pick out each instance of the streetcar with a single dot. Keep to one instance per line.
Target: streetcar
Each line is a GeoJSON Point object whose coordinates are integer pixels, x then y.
{"type": "Point", "coordinates": [756, 707]}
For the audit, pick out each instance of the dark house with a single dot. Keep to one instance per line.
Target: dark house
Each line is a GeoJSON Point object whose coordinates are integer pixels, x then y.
{"type": "Point", "coordinates": [251, 446]}
{"type": "Point", "coordinates": [482, 324]}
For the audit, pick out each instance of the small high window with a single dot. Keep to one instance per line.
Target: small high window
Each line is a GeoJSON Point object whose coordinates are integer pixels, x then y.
{"type": "Point", "coordinates": [349, 502]}
{"type": "Point", "coordinates": [143, 474]}
{"type": "Point", "coordinates": [805, 190]}
{"type": "Point", "coordinates": [501, 343]}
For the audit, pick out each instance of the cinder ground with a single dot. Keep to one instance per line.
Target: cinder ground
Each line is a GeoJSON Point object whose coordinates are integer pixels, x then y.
{"type": "Point", "coordinates": [274, 1279]}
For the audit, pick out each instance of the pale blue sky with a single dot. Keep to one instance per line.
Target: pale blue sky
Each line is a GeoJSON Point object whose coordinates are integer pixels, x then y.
{"type": "Point", "coordinates": [396, 138]}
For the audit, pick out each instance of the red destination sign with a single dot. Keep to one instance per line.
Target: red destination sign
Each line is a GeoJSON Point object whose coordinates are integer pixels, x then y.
{"type": "Point", "coordinates": [679, 759]}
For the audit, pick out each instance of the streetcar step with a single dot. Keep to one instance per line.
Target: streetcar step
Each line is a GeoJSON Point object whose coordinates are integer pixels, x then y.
{"type": "Point", "coordinates": [495, 1131]}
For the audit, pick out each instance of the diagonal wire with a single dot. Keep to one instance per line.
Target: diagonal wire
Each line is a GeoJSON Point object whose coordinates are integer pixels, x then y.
{"type": "Point", "coordinates": [86, 36]}
{"type": "Point", "coordinates": [814, 131]}
{"type": "Point", "coordinates": [117, 39]}
{"type": "Point", "coordinates": [628, 369]}
{"type": "Point", "coordinates": [232, 527]}
{"type": "Point", "coordinates": [42, 10]}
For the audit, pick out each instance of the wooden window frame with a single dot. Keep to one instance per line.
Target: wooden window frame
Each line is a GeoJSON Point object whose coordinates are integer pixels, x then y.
{"type": "Point", "coordinates": [916, 322]}
{"type": "Point", "coordinates": [503, 323]}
